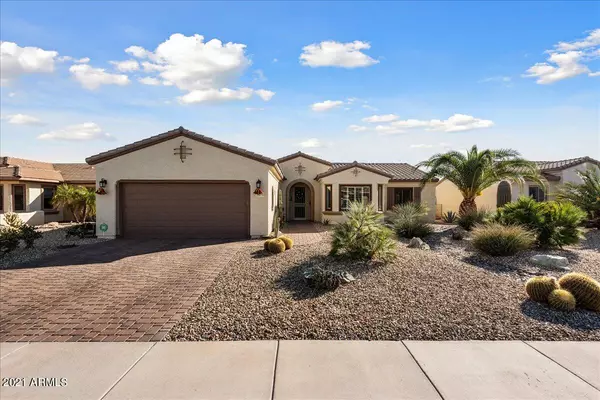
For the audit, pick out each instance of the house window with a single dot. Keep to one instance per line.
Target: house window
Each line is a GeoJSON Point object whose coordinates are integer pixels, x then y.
{"type": "Point", "coordinates": [328, 197]}
{"type": "Point", "coordinates": [349, 194]}
{"type": "Point", "coordinates": [1, 198]}
{"type": "Point", "coordinates": [18, 192]}
{"type": "Point", "coordinates": [537, 193]}
{"type": "Point", "coordinates": [379, 197]}
{"type": "Point", "coordinates": [403, 195]}
{"type": "Point", "coordinates": [47, 195]}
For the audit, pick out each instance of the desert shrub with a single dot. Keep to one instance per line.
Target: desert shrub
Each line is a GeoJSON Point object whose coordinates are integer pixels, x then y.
{"type": "Point", "coordinates": [556, 223]}
{"type": "Point", "coordinates": [539, 288]}
{"type": "Point", "coordinates": [585, 195]}
{"type": "Point", "coordinates": [29, 235]}
{"type": "Point", "coordinates": [585, 289]}
{"type": "Point", "coordinates": [289, 243]}
{"type": "Point", "coordinates": [472, 218]}
{"type": "Point", "coordinates": [449, 217]}
{"type": "Point", "coordinates": [562, 300]}
{"type": "Point", "coordinates": [323, 279]}
{"type": "Point", "coordinates": [501, 240]}
{"type": "Point", "coordinates": [13, 220]}
{"type": "Point", "coordinates": [276, 246]}
{"type": "Point", "coordinates": [362, 236]}
{"type": "Point", "coordinates": [9, 239]}
{"type": "Point", "coordinates": [409, 220]}
{"type": "Point", "coordinates": [326, 222]}
{"type": "Point", "coordinates": [81, 230]}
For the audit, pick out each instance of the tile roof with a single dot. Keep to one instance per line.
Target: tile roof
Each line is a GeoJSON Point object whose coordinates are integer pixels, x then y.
{"type": "Point", "coordinates": [181, 131]}
{"type": "Point", "coordinates": [563, 164]}
{"type": "Point", "coordinates": [76, 172]}
{"type": "Point", "coordinates": [12, 168]}
{"type": "Point", "coordinates": [301, 154]}
{"type": "Point", "coordinates": [397, 172]}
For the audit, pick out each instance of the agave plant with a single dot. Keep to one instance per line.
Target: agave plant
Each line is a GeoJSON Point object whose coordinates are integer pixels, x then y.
{"type": "Point", "coordinates": [477, 170]}
{"type": "Point", "coordinates": [449, 217]}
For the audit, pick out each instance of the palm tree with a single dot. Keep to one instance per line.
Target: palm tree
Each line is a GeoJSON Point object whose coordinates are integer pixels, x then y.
{"type": "Point", "coordinates": [585, 195]}
{"type": "Point", "coordinates": [86, 198]}
{"type": "Point", "coordinates": [477, 170]}
{"type": "Point", "coordinates": [65, 197]}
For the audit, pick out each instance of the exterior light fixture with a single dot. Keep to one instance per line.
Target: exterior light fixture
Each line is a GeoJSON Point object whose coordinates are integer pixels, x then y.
{"type": "Point", "coordinates": [258, 190]}
{"type": "Point", "coordinates": [103, 183]}
{"type": "Point", "coordinates": [258, 183]}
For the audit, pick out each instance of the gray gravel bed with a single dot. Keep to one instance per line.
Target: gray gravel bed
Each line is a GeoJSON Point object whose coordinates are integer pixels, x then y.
{"type": "Point", "coordinates": [447, 293]}
{"type": "Point", "coordinates": [52, 236]}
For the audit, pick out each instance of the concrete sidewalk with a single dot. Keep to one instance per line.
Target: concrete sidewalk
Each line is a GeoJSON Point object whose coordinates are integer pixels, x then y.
{"type": "Point", "coordinates": [302, 370]}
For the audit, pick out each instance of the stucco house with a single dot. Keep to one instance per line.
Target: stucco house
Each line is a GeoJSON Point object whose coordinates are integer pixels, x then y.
{"type": "Point", "coordinates": [180, 184]}
{"type": "Point", "coordinates": [554, 173]}
{"type": "Point", "coordinates": [27, 187]}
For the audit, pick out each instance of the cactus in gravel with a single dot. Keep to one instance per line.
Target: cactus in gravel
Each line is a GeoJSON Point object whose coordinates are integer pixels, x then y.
{"type": "Point", "coordinates": [585, 289]}
{"type": "Point", "coordinates": [562, 300]}
{"type": "Point", "coordinates": [289, 243]}
{"type": "Point", "coordinates": [323, 279]}
{"type": "Point", "coordinates": [276, 246]}
{"type": "Point", "coordinates": [539, 287]}
{"type": "Point", "coordinates": [266, 244]}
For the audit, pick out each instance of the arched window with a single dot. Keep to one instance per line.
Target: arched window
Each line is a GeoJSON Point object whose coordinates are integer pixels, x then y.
{"type": "Point", "coordinates": [504, 194]}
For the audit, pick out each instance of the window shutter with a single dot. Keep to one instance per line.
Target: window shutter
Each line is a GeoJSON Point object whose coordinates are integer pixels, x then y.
{"type": "Point", "coordinates": [417, 194]}
{"type": "Point", "coordinates": [390, 198]}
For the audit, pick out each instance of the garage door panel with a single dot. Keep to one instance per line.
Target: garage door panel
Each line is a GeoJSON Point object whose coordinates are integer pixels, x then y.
{"type": "Point", "coordinates": [185, 210]}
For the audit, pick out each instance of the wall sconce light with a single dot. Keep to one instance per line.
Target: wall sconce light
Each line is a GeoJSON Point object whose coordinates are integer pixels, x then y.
{"type": "Point", "coordinates": [258, 190]}
{"type": "Point", "coordinates": [103, 183]}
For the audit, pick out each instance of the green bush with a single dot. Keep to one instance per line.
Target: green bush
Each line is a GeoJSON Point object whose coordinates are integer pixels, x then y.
{"type": "Point", "coordinates": [9, 239]}
{"type": "Point", "coordinates": [472, 218]}
{"type": "Point", "coordinates": [13, 220]}
{"type": "Point", "coordinates": [29, 235]}
{"type": "Point", "coordinates": [449, 217]}
{"type": "Point", "coordinates": [409, 220]}
{"type": "Point", "coordinates": [362, 236]}
{"type": "Point", "coordinates": [556, 224]}
{"type": "Point", "coordinates": [501, 240]}
{"type": "Point", "coordinates": [585, 195]}
{"type": "Point", "coordinates": [81, 230]}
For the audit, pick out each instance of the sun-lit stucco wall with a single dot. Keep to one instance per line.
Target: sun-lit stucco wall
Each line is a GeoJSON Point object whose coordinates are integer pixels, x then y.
{"type": "Point", "coordinates": [158, 162]}
{"type": "Point", "coordinates": [428, 195]}
{"type": "Point", "coordinates": [33, 214]}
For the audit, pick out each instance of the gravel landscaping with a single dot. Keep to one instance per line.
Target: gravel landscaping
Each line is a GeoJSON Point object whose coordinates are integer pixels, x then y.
{"type": "Point", "coordinates": [446, 293]}
{"type": "Point", "coordinates": [53, 238]}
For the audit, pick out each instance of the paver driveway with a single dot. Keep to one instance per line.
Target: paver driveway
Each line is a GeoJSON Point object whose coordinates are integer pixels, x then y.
{"type": "Point", "coordinates": [118, 290]}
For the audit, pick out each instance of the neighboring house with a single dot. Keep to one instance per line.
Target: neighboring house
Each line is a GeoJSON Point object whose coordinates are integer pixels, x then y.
{"type": "Point", "coordinates": [554, 173]}
{"type": "Point", "coordinates": [180, 184]}
{"type": "Point", "coordinates": [27, 187]}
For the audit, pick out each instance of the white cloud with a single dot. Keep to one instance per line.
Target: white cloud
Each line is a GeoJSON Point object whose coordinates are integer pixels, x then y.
{"type": "Point", "coordinates": [148, 80]}
{"type": "Point", "coordinates": [92, 78]}
{"type": "Point", "coordinates": [16, 61]}
{"type": "Point", "coordinates": [138, 51]}
{"type": "Point", "coordinates": [311, 143]}
{"type": "Point", "coordinates": [22, 119]}
{"type": "Point", "coordinates": [456, 123]}
{"type": "Point", "coordinates": [80, 132]}
{"type": "Point", "coordinates": [381, 118]}
{"type": "Point", "coordinates": [266, 95]}
{"type": "Point", "coordinates": [215, 95]}
{"type": "Point", "coordinates": [597, 73]}
{"type": "Point", "coordinates": [336, 54]}
{"type": "Point", "coordinates": [387, 129]}
{"type": "Point", "coordinates": [250, 109]}
{"type": "Point", "coordinates": [326, 105]}
{"type": "Point", "coordinates": [421, 146]}
{"type": "Point", "coordinates": [83, 60]}
{"type": "Point", "coordinates": [567, 60]}
{"type": "Point", "coordinates": [358, 128]}
{"type": "Point", "coordinates": [126, 66]}
{"type": "Point", "coordinates": [368, 107]}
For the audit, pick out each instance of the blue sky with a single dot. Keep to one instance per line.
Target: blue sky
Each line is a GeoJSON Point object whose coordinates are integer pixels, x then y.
{"type": "Point", "coordinates": [344, 81]}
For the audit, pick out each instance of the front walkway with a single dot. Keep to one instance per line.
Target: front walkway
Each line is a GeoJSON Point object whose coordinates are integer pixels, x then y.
{"type": "Point", "coordinates": [304, 232]}
{"type": "Point", "coordinates": [119, 290]}
{"type": "Point", "coordinates": [469, 370]}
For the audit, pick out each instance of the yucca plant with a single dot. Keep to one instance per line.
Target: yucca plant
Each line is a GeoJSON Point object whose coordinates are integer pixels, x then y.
{"type": "Point", "coordinates": [585, 195]}
{"type": "Point", "coordinates": [476, 171]}
{"type": "Point", "coordinates": [362, 235]}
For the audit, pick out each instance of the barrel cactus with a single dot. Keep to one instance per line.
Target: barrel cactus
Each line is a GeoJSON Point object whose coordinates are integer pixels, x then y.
{"type": "Point", "coordinates": [562, 300]}
{"type": "Point", "coordinates": [276, 246]}
{"type": "Point", "coordinates": [289, 243]}
{"type": "Point", "coordinates": [585, 289]}
{"type": "Point", "coordinates": [539, 287]}
{"type": "Point", "coordinates": [266, 244]}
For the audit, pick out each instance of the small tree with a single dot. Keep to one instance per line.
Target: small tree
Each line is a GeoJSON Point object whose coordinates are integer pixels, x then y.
{"type": "Point", "coordinates": [65, 197]}
{"type": "Point", "coordinates": [79, 200]}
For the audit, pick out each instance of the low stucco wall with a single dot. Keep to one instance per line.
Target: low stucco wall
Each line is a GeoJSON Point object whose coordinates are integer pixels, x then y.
{"type": "Point", "coordinates": [30, 218]}
{"type": "Point", "coordinates": [158, 162]}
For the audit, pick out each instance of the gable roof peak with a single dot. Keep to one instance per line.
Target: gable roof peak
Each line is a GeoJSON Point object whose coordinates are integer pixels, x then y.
{"type": "Point", "coordinates": [304, 155]}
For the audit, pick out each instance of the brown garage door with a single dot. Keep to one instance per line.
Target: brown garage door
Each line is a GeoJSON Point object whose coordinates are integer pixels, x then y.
{"type": "Point", "coordinates": [185, 210]}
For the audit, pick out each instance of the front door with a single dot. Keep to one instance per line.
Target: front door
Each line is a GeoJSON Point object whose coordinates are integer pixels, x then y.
{"type": "Point", "coordinates": [300, 203]}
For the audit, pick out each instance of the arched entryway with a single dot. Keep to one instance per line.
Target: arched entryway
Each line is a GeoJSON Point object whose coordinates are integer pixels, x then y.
{"type": "Point", "coordinates": [300, 201]}
{"type": "Point", "coordinates": [503, 195]}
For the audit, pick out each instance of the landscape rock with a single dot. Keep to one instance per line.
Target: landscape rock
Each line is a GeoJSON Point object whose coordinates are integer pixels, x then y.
{"type": "Point", "coordinates": [551, 261]}
{"type": "Point", "coordinates": [458, 233]}
{"type": "Point", "coordinates": [418, 243]}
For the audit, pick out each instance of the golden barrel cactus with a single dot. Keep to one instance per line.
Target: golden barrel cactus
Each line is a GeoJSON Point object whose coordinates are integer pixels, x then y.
{"type": "Point", "coordinates": [585, 289]}
{"type": "Point", "coordinates": [562, 300]}
{"type": "Point", "coordinates": [276, 246]}
{"type": "Point", "coordinates": [266, 244]}
{"type": "Point", "coordinates": [289, 243]}
{"type": "Point", "coordinates": [539, 287]}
